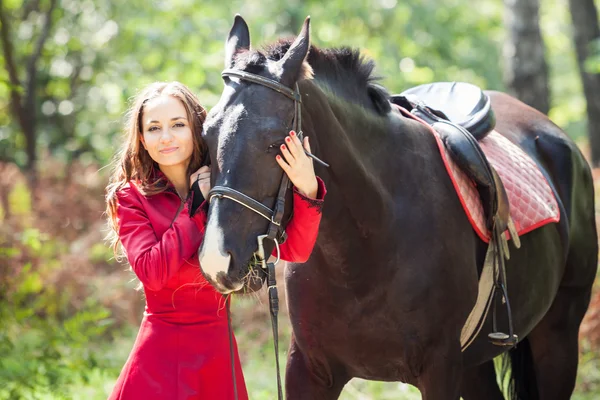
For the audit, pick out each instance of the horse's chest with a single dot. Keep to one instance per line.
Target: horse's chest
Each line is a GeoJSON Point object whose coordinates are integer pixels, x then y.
{"type": "Point", "coordinates": [368, 344]}
{"type": "Point", "coordinates": [375, 357]}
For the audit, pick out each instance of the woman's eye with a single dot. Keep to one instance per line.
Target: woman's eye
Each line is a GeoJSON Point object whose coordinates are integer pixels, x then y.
{"type": "Point", "coordinates": [179, 125]}
{"type": "Point", "coordinates": [152, 128]}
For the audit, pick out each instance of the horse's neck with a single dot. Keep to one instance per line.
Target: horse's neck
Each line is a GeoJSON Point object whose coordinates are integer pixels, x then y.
{"type": "Point", "coordinates": [371, 158]}
{"type": "Point", "coordinates": [350, 139]}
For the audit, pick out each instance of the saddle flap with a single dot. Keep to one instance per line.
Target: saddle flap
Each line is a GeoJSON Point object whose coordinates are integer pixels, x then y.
{"type": "Point", "coordinates": [467, 153]}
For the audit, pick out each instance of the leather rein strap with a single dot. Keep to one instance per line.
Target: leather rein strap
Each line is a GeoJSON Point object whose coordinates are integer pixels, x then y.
{"type": "Point", "coordinates": [275, 215]}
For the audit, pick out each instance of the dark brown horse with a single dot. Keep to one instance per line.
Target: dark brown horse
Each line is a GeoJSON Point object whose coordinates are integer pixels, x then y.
{"type": "Point", "coordinates": [394, 273]}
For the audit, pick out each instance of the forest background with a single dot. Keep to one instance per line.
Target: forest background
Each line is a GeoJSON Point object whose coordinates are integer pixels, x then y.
{"type": "Point", "coordinates": [68, 312]}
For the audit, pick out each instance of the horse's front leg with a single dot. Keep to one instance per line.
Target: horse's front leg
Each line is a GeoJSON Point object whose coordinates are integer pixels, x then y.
{"type": "Point", "coordinates": [442, 372]}
{"type": "Point", "coordinates": [308, 379]}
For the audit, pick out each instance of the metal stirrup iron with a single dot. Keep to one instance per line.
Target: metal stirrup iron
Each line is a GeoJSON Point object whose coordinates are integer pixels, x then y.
{"type": "Point", "coordinates": [501, 294]}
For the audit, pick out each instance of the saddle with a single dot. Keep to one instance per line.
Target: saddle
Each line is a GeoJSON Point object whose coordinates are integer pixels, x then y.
{"type": "Point", "coordinates": [462, 114]}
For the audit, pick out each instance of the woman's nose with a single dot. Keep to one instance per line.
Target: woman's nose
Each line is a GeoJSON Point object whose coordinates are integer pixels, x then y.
{"type": "Point", "coordinates": [166, 136]}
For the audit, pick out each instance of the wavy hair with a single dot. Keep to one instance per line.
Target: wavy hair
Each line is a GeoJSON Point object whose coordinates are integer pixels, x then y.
{"type": "Point", "coordinates": [132, 162]}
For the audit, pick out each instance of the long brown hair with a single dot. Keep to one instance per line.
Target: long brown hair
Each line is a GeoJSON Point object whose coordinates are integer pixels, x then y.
{"type": "Point", "coordinates": [132, 161]}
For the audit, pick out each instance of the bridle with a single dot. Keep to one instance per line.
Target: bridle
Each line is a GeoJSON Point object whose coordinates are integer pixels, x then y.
{"type": "Point", "coordinates": [275, 215]}
{"type": "Point", "coordinates": [275, 232]}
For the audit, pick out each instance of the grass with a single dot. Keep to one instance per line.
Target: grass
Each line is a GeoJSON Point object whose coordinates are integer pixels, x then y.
{"type": "Point", "coordinates": [253, 332]}
{"type": "Point", "coordinates": [255, 344]}
{"type": "Point", "coordinates": [256, 351]}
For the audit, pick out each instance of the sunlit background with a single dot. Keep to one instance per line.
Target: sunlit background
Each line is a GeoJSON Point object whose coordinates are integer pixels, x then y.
{"type": "Point", "coordinates": [69, 313]}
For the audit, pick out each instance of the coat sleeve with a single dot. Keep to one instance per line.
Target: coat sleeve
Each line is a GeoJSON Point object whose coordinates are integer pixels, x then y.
{"type": "Point", "coordinates": [302, 230]}
{"type": "Point", "coordinates": [155, 260]}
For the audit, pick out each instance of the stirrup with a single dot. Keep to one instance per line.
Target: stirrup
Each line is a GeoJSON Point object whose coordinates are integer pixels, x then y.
{"type": "Point", "coordinates": [496, 337]}
{"type": "Point", "coordinates": [502, 339]}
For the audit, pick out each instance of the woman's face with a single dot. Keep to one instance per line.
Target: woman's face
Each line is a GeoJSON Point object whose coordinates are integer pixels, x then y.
{"type": "Point", "coordinates": [167, 132]}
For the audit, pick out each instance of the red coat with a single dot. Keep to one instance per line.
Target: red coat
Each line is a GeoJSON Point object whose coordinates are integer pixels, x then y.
{"type": "Point", "coordinates": [182, 348]}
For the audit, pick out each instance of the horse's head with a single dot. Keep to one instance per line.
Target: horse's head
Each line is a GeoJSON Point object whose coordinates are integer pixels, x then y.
{"type": "Point", "coordinates": [244, 131]}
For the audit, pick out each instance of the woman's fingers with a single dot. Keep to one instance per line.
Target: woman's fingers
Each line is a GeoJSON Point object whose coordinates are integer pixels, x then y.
{"type": "Point", "coordinates": [295, 145]}
{"type": "Point", "coordinates": [285, 166]}
{"type": "Point", "coordinates": [203, 173]}
{"type": "Point", "coordinates": [203, 178]}
{"type": "Point", "coordinates": [287, 154]}
{"type": "Point", "coordinates": [204, 187]}
{"type": "Point", "coordinates": [307, 145]}
{"type": "Point", "coordinates": [293, 150]}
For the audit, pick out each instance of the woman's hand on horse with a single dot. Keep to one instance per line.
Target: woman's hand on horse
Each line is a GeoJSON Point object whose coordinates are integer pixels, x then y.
{"type": "Point", "coordinates": [203, 177]}
{"type": "Point", "coordinates": [298, 166]}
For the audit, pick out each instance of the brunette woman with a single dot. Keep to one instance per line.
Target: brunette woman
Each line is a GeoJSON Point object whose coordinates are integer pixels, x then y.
{"type": "Point", "coordinates": [156, 209]}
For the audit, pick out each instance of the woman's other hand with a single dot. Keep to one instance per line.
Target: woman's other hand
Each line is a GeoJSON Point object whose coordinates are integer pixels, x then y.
{"type": "Point", "coordinates": [203, 178]}
{"type": "Point", "coordinates": [298, 166]}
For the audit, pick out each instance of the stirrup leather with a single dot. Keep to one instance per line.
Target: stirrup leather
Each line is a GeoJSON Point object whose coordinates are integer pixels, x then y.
{"type": "Point", "coordinates": [500, 293]}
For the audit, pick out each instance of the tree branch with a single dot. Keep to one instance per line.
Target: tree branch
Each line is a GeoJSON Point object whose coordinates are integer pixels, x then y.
{"type": "Point", "coordinates": [75, 81]}
{"type": "Point", "coordinates": [9, 61]}
{"type": "Point", "coordinates": [32, 5]}
{"type": "Point", "coordinates": [31, 65]}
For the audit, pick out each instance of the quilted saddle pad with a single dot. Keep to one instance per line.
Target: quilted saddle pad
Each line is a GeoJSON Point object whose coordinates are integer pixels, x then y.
{"type": "Point", "coordinates": [532, 201]}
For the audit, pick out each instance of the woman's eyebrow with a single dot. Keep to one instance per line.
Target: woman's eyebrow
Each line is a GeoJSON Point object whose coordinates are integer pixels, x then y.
{"type": "Point", "coordinates": [172, 119]}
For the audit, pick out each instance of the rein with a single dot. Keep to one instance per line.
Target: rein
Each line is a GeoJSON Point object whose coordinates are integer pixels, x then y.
{"type": "Point", "coordinates": [275, 231]}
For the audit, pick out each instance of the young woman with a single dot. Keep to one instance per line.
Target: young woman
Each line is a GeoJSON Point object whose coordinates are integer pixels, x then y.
{"type": "Point", "coordinates": [156, 208]}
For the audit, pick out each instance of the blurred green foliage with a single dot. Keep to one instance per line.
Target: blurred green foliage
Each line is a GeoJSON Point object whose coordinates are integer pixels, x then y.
{"type": "Point", "coordinates": [41, 348]}
{"type": "Point", "coordinates": [44, 339]}
{"type": "Point", "coordinates": [101, 52]}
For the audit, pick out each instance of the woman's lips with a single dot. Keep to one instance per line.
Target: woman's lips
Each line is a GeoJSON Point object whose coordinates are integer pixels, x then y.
{"type": "Point", "coordinates": [168, 150]}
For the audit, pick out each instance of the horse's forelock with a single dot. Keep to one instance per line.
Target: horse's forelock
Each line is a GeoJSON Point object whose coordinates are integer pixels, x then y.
{"type": "Point", "coordinates": [250, 61]}
{"type": "Point", "coordinates": [254, 61]}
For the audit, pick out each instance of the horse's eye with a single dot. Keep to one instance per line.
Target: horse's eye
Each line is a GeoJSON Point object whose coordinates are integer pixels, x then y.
{"type": "Point", "coordinates": [274, 146]}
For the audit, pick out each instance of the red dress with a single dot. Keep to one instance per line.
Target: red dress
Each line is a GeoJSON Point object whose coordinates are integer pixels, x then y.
{"type": "Point", "coordinates": [182, 349]}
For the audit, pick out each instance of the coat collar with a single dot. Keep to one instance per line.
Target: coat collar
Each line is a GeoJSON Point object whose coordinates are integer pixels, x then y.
{"type": "Point", "coordinates": [158, 175]}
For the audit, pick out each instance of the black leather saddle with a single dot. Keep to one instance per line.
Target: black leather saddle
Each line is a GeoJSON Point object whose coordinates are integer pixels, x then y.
{"type": "Point", "coordinates": [462, 114]}
{"type": "Point", "coordinates": [461, 103]}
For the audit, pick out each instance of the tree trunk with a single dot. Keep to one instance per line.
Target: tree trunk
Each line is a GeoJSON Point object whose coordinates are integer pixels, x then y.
{"type": "Point", "coordinates": [526, 71]}
{"type": "Point", "coordinates": [585, 30]}
{"type": "Point", "coordinates": [23, 92]}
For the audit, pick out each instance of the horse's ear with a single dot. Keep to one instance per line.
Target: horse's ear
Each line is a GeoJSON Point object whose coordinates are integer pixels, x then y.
{"type": "Point", "coordinates": [380, 98]}
{"type": "Point", "coordinates": [239, 38]}
{"type": "Point", "coordinates": [291, 63]}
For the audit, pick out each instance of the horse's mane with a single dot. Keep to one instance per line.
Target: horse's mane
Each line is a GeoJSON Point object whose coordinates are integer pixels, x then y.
{"type": "Point", "coordinates": [344, 70]}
